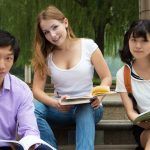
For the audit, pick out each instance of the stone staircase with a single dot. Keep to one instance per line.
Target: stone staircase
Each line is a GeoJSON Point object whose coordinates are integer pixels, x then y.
{"type": "Point", "coordinates": [113, 132]}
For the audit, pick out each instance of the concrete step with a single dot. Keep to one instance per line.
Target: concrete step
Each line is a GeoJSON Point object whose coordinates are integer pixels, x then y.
{"type": "Point", "coordinates": [103, 147]}
{"type": "Point", "coordinates": [113, 124]}
{"type": "Point", "coordinates": [113, 108]}
{"type": "Point", "coordinates": [108, 132]}
{"type": "Point", "coordinates": [114, 132]}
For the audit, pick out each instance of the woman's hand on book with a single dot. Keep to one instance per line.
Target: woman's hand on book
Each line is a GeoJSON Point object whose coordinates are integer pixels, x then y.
{"type": "Point", "coordinates": [96, 101]}
{"type": "Point", "coordinates": [63, 108]}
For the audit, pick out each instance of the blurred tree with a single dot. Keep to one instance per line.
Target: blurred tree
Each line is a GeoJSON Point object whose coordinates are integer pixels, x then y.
{"type": "Point", "coordinates": [105, 21]}
{"type": "Point", "coordinates": [109, 19]}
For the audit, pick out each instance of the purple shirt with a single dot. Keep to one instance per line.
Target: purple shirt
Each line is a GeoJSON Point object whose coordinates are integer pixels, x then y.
{"type": "Point", "coordinates": [16, 109]}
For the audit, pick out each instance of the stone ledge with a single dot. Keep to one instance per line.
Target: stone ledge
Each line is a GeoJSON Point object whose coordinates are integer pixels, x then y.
{"type": "Point", "coordinates": [106, 124]}
{"type": "Point", "coordinates": [108, 132]}
{"type": "Point", "coordinates": [114, 124]}
{"type": "Point", "coordinates": [112, 103]}
{"type": "Point", "coordinates": [103, 147]}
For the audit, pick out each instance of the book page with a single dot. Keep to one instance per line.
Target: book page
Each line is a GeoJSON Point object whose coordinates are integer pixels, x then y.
{"type": "Point", "coordinates": [82, 100]}
{"type": "Point", "coordinates": [12, 143]}
{"type": "Point", "coordinates": [75, 100]}
{"type": "Point", "coordinates": [31, 140]}
{"type": "Point", "coordinates": [145, 116]}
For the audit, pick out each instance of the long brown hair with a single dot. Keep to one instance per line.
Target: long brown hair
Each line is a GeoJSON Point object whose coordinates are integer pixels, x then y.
{"type": "Point", "coordinates": [42, 47]}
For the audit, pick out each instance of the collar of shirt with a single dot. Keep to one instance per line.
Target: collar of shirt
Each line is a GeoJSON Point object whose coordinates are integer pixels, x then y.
{"type": "Point", "coordinates": [133, 73]}
{"type": "Point", "coordinates": [6, 84]}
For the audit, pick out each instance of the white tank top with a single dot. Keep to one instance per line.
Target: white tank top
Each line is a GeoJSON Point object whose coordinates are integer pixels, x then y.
{"type": "Point", "coordinates": [76, 81]}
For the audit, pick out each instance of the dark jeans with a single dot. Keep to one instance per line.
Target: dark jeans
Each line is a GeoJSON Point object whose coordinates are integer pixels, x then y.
{"type": "Point", "coordinates": [137, 132]}
{"type": "Point", "coordinates": [5, 148]}
{"type": "Point", "coordinates": [43, 147]}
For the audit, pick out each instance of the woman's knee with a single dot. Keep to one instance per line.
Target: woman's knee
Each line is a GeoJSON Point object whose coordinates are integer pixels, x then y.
{"type": "Point", "coordinates": [84, 109]}
{"type": "Point", "coordinates": [87, 111]}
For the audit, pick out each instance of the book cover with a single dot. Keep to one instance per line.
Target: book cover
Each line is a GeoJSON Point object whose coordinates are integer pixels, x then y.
{"type": "Point", "coordinates": [145, 116]}
{"type": "Point", "coordinates": [25, 143]}
{"type": "Point", "coordinates": [82, 100]}
{"type": "Point", "coordinates": [75, 100]}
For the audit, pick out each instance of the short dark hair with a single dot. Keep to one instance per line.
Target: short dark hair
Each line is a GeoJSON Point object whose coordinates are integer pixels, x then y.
{"type": "Point", "coordinates": [6, 39]}
{"type": "Point", "coordinates": [139, 28]}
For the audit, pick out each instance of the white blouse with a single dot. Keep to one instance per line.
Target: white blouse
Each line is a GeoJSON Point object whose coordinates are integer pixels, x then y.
{"type": "Point", "coordinates": [140, 89]}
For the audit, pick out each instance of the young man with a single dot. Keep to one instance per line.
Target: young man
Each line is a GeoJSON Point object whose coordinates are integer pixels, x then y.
{"type": "Point", "coordinates": [16, 106]}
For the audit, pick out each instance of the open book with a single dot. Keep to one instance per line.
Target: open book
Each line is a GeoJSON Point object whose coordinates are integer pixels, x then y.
{"type": "Point", "coordinates": [25, 143]}
{"type": "Point", "coordinates": [82, 100]}
{"type": "Point", "coordinates": [145, 116]}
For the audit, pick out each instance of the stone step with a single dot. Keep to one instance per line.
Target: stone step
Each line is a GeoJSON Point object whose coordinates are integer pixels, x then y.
{"type": "Point", "coordinates": [103, 147]}
{"type": "Point", "coordinates": [114, 132]}
{"type": "Point", "coordinates": [113, 124]}
{"type": "Point", "coordinates": [107, 132]}
{"type": "Point", "coordinates": [113, 108]}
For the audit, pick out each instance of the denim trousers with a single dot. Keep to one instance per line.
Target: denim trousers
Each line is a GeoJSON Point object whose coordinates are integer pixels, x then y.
{"type": "Point", "coordinates": [83, 116]}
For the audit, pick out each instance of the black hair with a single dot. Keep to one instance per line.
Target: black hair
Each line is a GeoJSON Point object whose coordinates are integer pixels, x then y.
{"type": "Point", "coordinates": [139, 28]}
{"type": "Point", "coordinates": [6, 39]}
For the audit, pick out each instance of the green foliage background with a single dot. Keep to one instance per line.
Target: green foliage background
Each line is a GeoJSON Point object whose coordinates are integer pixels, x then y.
{"type": "Point", "coordinates": [86, 17]}
{"type": "Point", "coordinates": [105, 21]}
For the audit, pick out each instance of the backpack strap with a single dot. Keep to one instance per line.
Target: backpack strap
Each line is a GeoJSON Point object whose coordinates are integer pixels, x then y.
{"type": "Point", "coordinates": [127, 82]}
{"type": "Point", "coordinates": [127, 79]}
